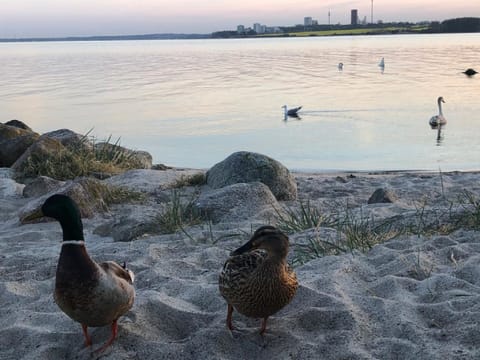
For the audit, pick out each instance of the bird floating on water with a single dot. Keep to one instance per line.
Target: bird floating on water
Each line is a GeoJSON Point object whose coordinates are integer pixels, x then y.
{"type": "Point", "coordinates": [439, 119]}
{"type": "Point", "coordinates": [470, 72]}
{"type": "Point", "coordinates": [256, 279]}
{"type": "Point", "coordinates": [382, 63]}
{"type": "Point", "coordinates": [290, 112]}
{"type": "Point", "coordinates": [340, 66]}
{"type": "Point", "coordinates": [93, 294]}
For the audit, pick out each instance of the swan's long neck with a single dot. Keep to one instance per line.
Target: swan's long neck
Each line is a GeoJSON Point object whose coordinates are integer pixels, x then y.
{"type": "Point", "coordinates": [440, 107]}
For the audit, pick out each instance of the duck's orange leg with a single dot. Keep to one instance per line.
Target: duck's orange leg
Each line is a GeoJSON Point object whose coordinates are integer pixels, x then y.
{"type": "Point", "coordinates": [112, 338]}
{"type": "Point", "coordinates": [264, 326]}
{"type": "Point", "coordinates": [229, 317]}
{"type": "Point", "coordinates": [88, 340]}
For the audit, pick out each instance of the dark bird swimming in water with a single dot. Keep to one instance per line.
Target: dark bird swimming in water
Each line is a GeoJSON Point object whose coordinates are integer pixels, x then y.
{"type": "Point", "coordinates": [470, 72]}
{"type": "Point", "coordinates": [291, 112]}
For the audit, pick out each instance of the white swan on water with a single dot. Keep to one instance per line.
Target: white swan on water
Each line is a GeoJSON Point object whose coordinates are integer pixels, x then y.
{"type": "Point", "coordinates": [438, 119]}
{"type": "Point", "coordinates": [291, 112]}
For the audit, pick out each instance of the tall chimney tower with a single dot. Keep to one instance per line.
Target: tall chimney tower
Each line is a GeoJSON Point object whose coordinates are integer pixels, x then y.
{"type": "Point", "coordinates": [372, 13]}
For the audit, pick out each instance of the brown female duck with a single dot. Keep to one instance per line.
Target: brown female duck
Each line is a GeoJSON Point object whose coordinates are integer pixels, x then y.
{"type": "Point", "coordinates": [89, 293]}
{"type": "Point", "coordinates": [256, 279]}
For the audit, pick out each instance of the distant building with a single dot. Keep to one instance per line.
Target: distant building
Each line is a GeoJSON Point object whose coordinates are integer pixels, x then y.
{"type": "Point", "coordinates": [307, 21]}
{"type": "Point", "coordinates": [354, 17]}
{"type": "Point", "coordinates": [259, 28]}
{"type": "Point", "coordinates": [273, 29]}
{"type": "Point", "coordinates": [241, 29]}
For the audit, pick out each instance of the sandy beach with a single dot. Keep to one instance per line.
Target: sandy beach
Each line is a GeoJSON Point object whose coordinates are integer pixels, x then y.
{"type": "Point", "coordinates": [414, 296]}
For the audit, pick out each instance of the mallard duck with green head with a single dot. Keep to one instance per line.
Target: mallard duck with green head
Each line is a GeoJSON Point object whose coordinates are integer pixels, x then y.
{"type": "Point", "coordinates": [256, 279]}
{"type": "Point", "coordinates": [93, 294]}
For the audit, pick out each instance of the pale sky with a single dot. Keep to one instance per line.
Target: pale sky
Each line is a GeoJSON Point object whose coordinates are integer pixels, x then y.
{"type": "Point", "coordinates": [56, 18]}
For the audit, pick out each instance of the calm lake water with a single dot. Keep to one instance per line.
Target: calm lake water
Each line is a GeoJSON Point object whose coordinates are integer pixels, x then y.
{"type": "Point", "coordinates": [192, 103]}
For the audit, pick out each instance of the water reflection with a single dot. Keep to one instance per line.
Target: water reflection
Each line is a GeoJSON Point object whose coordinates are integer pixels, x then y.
{"type": "Point", "coordinates": [288, 117]}
{"type": "Point", "coordinates": [440, 137]}
{"type": "Point", "coordinates": [381, 65]}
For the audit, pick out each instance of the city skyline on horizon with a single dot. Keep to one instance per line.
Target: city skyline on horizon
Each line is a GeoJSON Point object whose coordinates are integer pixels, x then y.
{"type": "Point", "coordinates": [55, 18]}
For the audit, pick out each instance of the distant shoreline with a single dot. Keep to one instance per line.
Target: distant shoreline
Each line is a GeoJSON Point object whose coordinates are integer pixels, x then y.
{"type": "Point", "coordinates": [204, 37]}
{"type": "Point", "coordinates": [113, 38]}
{"type": "Point", "coordinates": [458, 25]}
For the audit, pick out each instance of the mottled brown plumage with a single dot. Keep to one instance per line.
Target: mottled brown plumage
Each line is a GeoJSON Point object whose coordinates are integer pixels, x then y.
{"type": "Point", "coordinates": [256, 279]}
{"type": "Point", "coordinates": [93, 294]}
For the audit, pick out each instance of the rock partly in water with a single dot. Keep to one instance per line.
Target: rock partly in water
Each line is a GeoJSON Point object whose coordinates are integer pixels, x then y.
{"type": "Point", "coordinates": [42, 148]}
{"type": "Point", "coordinates": [41, 186]}
{"type": "Point", "coordinates": [70, 139]}
{"type": "Point", "coordinates": [237, 202]}
{"type": "Point", "coordinates": [247, 167]}
{"type": "Point", "coordinates": [14, 141]}
{"type": "Point", "coordinates": [382, 196]}
{"type": "Point", "coordinates": [139, 159]}
{"type": "Point", "coordinates": [162, 167]}
{"type": "Point", "coordinates": [18, 124]}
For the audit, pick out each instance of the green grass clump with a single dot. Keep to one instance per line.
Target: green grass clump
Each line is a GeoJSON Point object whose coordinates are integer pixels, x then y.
{"type": "Point", "coordinates": [178, 214]}
{"type": "Point", "coordinates": [362, 233]}
{"type": "Point", "coordinates": [112, 153]}
{"type": "Point", "coordinates": [190, 180]}
{"type": "Point", "coordinates": [81, 158]}
{"type": "Point", "coordinates": [306, 217]}
{"type": "Point", "coordinates": [355, 232]}
{"type": "Point", "coordinates": [358, 232]}
{"type": "Point", "coordinates": [110, 194]}
{"type": "Point", "coordinates": [316, 248]}
{"type": "Point", "coordinates": [120, 194]}
{"type": "Point", "coordinates": [470, 214]}
{"type": "Point", "coordinates": [62, 165]}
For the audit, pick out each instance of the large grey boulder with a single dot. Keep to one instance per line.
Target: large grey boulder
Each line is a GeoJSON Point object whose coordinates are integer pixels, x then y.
{"type": "Point", "coordinates": [237, 202]}
{"type": "Point", "coordinates": [41, 186]}
{"type": "Point", "coordinates": [42, 148]}
{"type": "Point", "coordinates": [69, 138]}
{"type": "Point", "coordinates": [18, 124]}
{"type": "Point", "coordinates": [133, 222]}
{"type": "Point", "coordinates": [247, 167]}
{"type": "Point", "coordinates": [382, 196]}
{"type": "Point", "coordinates": [150, 181]}
{"type": "Point", "coordinates": [14, 141]}
{"type": "Point", "coordinates": [88, 193]}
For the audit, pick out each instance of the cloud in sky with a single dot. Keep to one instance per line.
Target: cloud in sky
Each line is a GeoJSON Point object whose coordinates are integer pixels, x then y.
{"type": "Point", "coordinates": [20, 18]}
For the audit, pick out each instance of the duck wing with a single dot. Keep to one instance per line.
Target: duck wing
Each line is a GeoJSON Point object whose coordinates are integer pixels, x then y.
{"type": "Point", "coordinates": [117, 271]}
{"type": "Point", "coordinates": [238, 269]}
{"type": "Point", "coordinates": [294, 111]}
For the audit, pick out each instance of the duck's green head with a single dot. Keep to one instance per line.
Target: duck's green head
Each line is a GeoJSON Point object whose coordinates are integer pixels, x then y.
{"type": "Point", "coordinates": [63, 209]}
{"type": "Point", "coordinates": [268, 238]}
